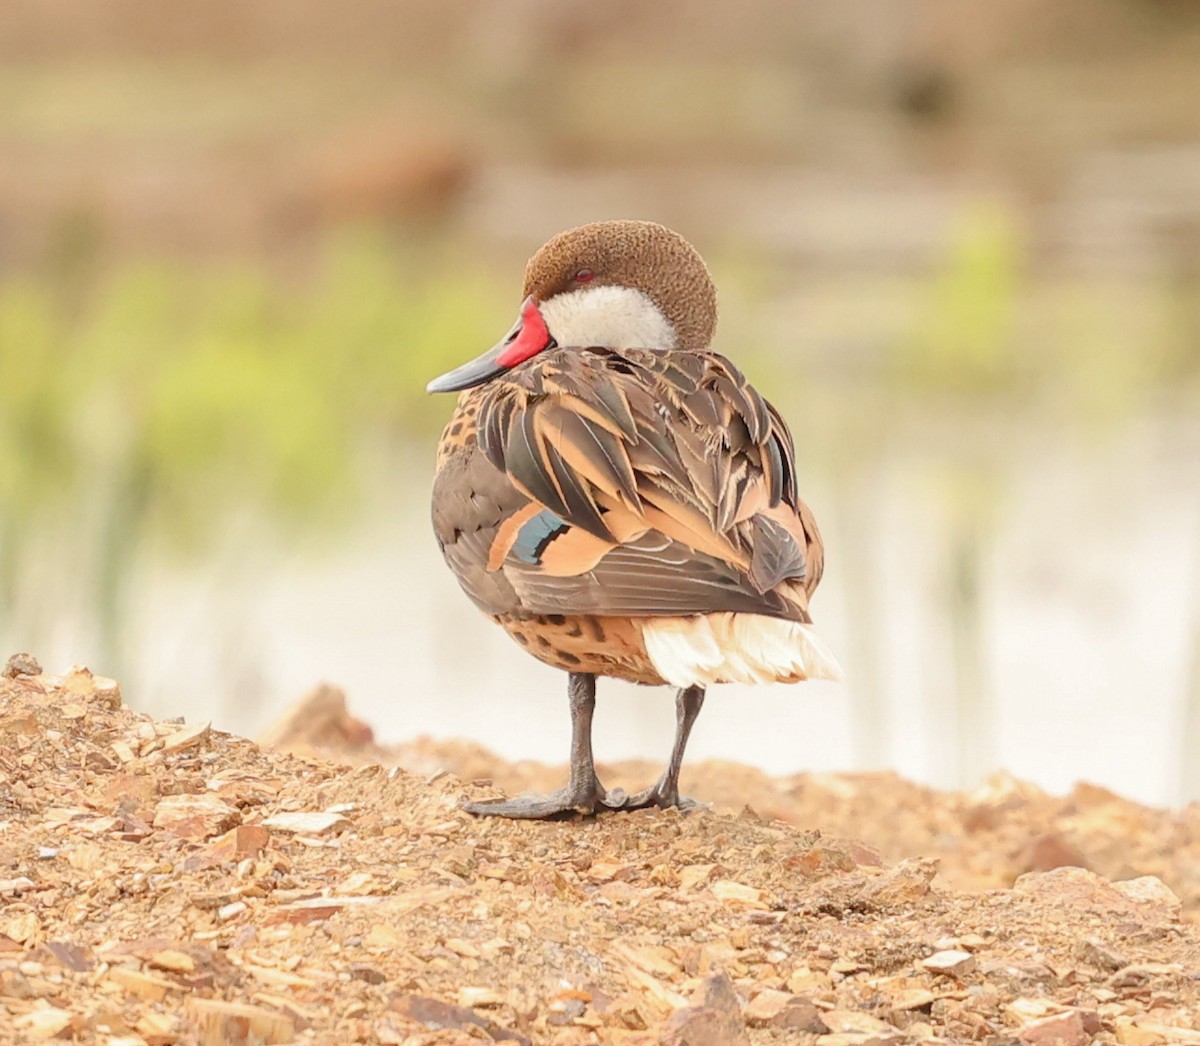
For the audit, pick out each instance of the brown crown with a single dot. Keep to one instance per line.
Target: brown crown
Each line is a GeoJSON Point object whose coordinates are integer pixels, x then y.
{"type": "Point", "coordinates": [642, 255]}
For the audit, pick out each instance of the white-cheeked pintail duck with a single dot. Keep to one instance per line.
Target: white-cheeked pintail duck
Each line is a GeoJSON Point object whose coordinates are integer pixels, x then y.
{"type": "Point", "coordinates": [621, 500]}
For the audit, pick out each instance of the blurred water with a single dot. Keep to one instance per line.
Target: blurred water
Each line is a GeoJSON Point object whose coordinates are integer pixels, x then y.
{"type": "Point", "coordinates": [1090, 596]}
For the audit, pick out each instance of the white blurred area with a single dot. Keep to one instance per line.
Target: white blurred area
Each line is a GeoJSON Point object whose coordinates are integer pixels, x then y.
{"type": "Point", "coordinates": [1086, 638]}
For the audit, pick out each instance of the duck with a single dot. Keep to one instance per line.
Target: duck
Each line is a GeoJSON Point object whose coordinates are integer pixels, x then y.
{"type": "Point", "coordinates": [621, 501]}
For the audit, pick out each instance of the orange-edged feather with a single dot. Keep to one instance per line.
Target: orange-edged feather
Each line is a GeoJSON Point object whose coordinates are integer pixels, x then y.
{"type": "Point", "coordinates": [671, 481]}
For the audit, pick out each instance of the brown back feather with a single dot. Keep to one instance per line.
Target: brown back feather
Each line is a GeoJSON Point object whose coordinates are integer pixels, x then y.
{"type": "Point", "coordinates": [684, 454]}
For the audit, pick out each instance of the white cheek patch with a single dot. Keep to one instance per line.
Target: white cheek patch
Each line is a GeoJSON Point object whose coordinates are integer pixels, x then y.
{"type": "Point", "coordinates": [610, 317]}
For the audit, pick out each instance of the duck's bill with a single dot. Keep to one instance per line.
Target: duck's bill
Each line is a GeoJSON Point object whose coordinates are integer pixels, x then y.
{"type": "Point", "coordinates": [482, 368]}
{"type": "Point", "coordinates": [528, 337]}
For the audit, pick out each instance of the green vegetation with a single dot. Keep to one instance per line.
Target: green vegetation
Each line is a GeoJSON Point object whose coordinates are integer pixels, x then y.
{"type": "Point", "coordinates": [165, 399]}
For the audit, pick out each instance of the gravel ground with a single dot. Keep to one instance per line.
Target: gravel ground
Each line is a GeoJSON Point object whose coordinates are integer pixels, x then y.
{"type": "Point", "coordinates": [167, 883]}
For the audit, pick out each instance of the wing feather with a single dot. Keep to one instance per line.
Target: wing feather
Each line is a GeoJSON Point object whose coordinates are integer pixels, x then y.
{"type": "Point", "coordinates": [674, 479]}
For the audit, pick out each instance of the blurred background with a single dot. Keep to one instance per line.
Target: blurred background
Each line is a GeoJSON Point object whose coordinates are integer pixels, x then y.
{"type": "Point", "coordinates": [958, 245]}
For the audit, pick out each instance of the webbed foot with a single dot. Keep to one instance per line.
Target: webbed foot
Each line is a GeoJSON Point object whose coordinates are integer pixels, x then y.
{"type": "Point", "coordinates": [566, 802]}
{"type": "Point", "coordinates": [664, 794]}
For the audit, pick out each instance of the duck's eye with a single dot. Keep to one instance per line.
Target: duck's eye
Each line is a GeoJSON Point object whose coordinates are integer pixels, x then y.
{"type": "Point", "coordinates": [583, 275]}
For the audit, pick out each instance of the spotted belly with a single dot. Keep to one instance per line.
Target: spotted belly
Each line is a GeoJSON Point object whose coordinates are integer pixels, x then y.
{"type": "Point", "coordinates": [605, 646]}
{"type": "Point", "coordinates": [694, 650]}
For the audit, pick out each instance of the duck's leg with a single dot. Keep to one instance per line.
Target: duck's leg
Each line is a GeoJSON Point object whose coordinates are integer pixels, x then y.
{"type": "Point", "coordinates": [584, 794]}
{"type": "Point", "coordinates": [688, 703]}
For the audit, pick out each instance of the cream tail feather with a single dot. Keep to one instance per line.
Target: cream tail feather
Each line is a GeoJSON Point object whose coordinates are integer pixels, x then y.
{"type": "Point", "coordinates": [736, 648]}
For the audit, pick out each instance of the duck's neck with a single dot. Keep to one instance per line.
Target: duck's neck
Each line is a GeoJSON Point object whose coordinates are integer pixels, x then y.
{"type": "Point", "coordinates": [610, 317]}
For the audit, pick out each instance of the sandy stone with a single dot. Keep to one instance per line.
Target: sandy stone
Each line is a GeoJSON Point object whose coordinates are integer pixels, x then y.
{"type": "Point", "coordinates": [1130, 1034]}
{"type": "Point", "coordinates": [776, 1009]}
{"type": "Point", "coordinates": [906, 884]}
{"type": "Point", "coordinates": [912, 999]}
{"type": "Point", "coordinates": [1063, 1029]}
{"type": "Point", "coordinates": [233, 1024]}
{"type": "Point", "coordinates": [173, 961]}
{"type": "Point", "coordinates": [435, 1014]}
{"type": "Point", "coordinates": [1170, 1033]}
{"type": "Point", "coordinates": [43, 1023]}
{"type": "Point", "coordinates": [21, 665]}
{"type": "Point", "coordinates": [765, 1006]}
{"type": "Point", "coordinates": [1149, 889]}
{"type": "Point", "coordinates": [951, 963]}
{"type": "Point", "coordinates": [1098, 953]}
{"type": "Point", "coordinates": [713, 1018]}
{"type": "Point", "coordinates": [737, 893]}
{"type": "Point", "coordinates": [855, 1022]}
{"type": "Point", "coordinates": [143, 985]}
{"type": "Point", "coordinates": [1050, 851]}
{"type": "Point", "coordinates": [861, 1038]}
{"type": "Point", "coordinates": [312, 823]}
{"type": "Point", "coordinates": [195, 816]}
{"type": "Point", "coordinates": [477, 996]}
{"type": "Point", "coordinates": [188, 737]}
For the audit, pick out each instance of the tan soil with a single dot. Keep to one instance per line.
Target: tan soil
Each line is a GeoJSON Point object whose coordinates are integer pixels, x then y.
{"type": "Point", "coordinates": [167, 883]}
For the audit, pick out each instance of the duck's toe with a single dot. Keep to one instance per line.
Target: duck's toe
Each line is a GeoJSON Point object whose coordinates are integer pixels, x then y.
{"type": "Point", "coordinates": [533, 806]}
{"type": "Point", "coordinates": [661, 795]}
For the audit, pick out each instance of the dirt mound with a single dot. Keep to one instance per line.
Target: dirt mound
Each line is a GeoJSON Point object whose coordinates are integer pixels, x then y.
{"type": "Point", "coordinates": [167, 883]}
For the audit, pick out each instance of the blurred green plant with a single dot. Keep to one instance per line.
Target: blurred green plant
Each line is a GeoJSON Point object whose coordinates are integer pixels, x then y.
{"type": "Point", "coordinates": [962, 343]}
{"type": "Point", "coordinates": [170, 399]}
{"type": "Point", "coordinates": [962, 363]}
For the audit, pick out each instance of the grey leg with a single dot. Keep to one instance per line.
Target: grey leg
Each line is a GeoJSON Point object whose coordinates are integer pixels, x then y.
{"type": "Point", "coordinates": [688, 703]}
{"type": "Point", "coordinates": [584, 794]}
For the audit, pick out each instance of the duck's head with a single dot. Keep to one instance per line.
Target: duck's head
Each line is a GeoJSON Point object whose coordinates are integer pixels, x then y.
{"type": "Point", "coordinates": [617, 285]}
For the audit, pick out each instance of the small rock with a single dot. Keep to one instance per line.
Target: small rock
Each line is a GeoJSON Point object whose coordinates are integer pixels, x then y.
{"type": "Point", "coordinates": [319, 720]}
{"type": "Point", "coordinates": [21, 665]}
{"type": "Point", "coordinates": [186, 738]}
{"type": "Point", "coordinates": [1061, 1029]}
{"type": "Point", "coordinates": [1094, 951]}
{"type": "Point", "coordinates": [43, 1024]}
{"type": "Point", "coordinates": [157, 1026]}
{"type": "Point", "coordinates": [854, 1022]}
{"type": "Point", "coordinates": [693, 875]}
{"type": "Point", "coordinates": [241, 842]}
{"type": "Point", "coordinates": [475, 996]}
{"type": "Point", "coordinates": [1050, 851]}
{"type": "Point", "coordinates": [365, 971]}
{"type": "Point", "coordinates": [952, 963]}
{"type": "Point", "coordinates": [730, 892]}
{"type": "Point", "coordinates": [1149, 889]}
{"type": "Point", "coordinates": [913, 999]}
{"type": "Point", "coordinates": [862, 1038]}
{"type": "Point", "coordinates": [173, 961]}
{"type": "Point", "coordinates": [1142, 974]}
{"type": "Point", "coordinates": [71, 956]}
{"type": "Point", "coordinates": [906, 884]}
{"type": "Point", "coordinates": [231, 910]}
{"type": "Point", "coordinates": [1023, 1010]}
{"type": "Point", "coordinates": [775, 1009]}
{"type": "Point", "coordinates": [1169, 1033]}
{"type": "Point", "coordinates": [765, 1006]}
{"type": "Point", "coordinates": [234, 1023]}
{"type": "Point", "coordinates": [143, 985]}
{"type": "Point", "coordinates": [713, 1019]}
{"type": "Point", "coordinates": [804, 981]}
{"type": "Point", "coordinates": [195, 816]}
{"type": "Point", "coordinates": [314, 823]}
{"type": "Point", "coordinates": [1129, 1034]}
{"type": "Point", "coordinates": [434, 1014]}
